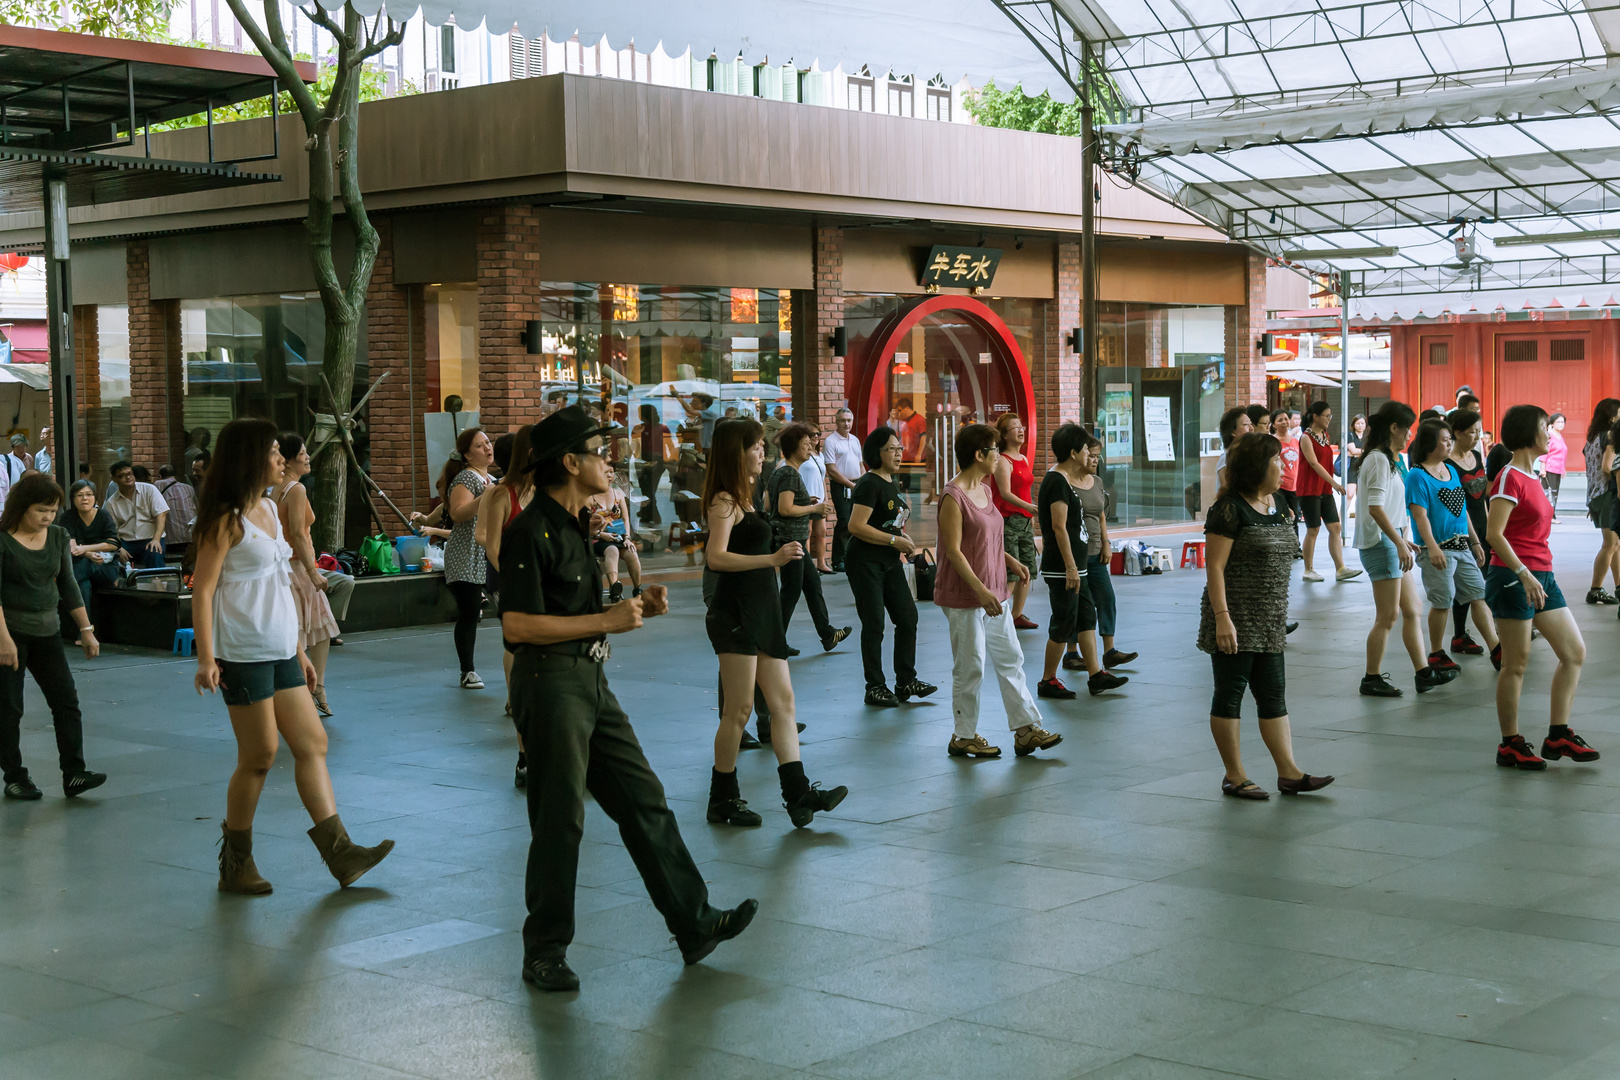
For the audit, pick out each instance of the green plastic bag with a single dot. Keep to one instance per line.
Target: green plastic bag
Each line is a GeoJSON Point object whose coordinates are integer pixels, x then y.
{"type": "Point", "coordinates": [377, 552]}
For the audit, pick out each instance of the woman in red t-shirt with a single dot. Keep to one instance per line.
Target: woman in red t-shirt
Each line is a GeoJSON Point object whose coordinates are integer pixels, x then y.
{"type": "Point", "coordinates": [1290, 465]}
{"type": "Point", "coordinates": [1521, 591]}
{"type": "Point", "coordinates": [1314, 488]}
{"type": "Point", "coordinates": [1014, 478]}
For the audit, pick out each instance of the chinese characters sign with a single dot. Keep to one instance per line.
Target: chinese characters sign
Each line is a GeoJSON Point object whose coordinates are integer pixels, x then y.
{"type": "Point", "coordinates": [960, 267]}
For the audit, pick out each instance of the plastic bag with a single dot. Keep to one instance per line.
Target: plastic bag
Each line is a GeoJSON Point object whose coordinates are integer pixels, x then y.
{"type": "Point", "coordinates": [377, 552]}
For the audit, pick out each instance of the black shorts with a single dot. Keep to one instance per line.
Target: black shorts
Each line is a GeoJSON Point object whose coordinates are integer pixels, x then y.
{"type": "Point", "coordinates": [1319, 510]}
{"type": "Point", "coordinates": [1072, 610]}
{"type": "Point", "coordinates": [1261, 673]}
{"type": "Point", "coordinates": [255, 680]}
{"type": "Point", "coordinates": [605, 541]}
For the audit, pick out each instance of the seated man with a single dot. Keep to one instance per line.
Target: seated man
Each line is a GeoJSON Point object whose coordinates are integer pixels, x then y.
{"type": "Point", "coordinates": [140, 514]}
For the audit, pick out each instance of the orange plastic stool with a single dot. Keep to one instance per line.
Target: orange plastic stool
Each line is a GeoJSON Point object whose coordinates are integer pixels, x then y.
{"type": "Point", "coordinates": [1192, 554]}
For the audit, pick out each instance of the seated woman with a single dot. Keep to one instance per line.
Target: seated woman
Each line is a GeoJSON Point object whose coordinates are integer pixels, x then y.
{"type": "Point", "coordinates": [612, 510]}
{"type": "Point", "coordinates": [92, 541]}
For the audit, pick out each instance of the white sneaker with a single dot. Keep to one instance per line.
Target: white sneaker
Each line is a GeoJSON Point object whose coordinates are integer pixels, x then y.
{"type": "Point", "coordinates": [471, 681]}
{"type": "Point", "coordinates": [1348, 572]}
{"type": "Point", "coordinates": [1312, 575]}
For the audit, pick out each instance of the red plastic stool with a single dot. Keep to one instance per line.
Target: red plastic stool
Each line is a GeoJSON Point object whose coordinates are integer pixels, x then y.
{"type": "Point", "coordinates": [1192, 554]}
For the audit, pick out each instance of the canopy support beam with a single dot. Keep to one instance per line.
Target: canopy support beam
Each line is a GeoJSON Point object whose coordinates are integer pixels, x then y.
{"type": "Point", "coordinates": [1344, 394]}
{"type": "Point", "coordinates": [59, 317]}
{"type": "Point", "coordinates": [1088, 241]}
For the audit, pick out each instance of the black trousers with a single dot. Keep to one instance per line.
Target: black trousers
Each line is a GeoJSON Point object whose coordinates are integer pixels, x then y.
{"type": "Point", "coordinates": [469, 609]}
{"type": "Point", "coordinates": [649, 473]}
{"type": "Point", "coordinates": [801, 576]}
{"type": "Point", "coordinates": [46, 658]}
{"type": "Point", "coordinates": [878, 581]}
{"type": "Point", "coordinates": [578, 739]}
{"type": "Point", "coordinates": [842, 502]}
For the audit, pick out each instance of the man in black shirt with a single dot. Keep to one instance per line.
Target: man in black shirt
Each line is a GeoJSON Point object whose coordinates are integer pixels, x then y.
{"type": "Point", "coordinates": [577, 736]}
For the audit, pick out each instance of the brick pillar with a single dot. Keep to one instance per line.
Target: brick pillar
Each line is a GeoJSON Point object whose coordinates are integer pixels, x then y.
{"type": "Point", "coordinates": [156, 403]}
{"type": "Point", "coordinates": [1055, 372]}
{"type": "Point", "coordinates": [395, 332]}
{"type": "Point", "coordinates": [824, 387]}
{"type": "Point", "coordinates": [508, 245]}
{"type": "Point", "coordinates": [86, 373]}
{"type": "Point", "coordinates": [1245, 367]}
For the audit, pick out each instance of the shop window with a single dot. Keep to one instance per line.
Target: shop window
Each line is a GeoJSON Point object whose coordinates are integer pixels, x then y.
{"type": "Point", "coordinates": [862, 93]}
{"type": "Point", "coordinates": [1519, 352]}
{"type": "Point", "coordinates": [1568, 349]}
{"type": "Point", "coordinates": [450, 314]}
{"type": "Point", "coordinates": [447, 49]}
{"type": "Point", "coordinates": [106, 415]}
{"type": "Point", "coordinates": [900, 99]}
{"type": "Point", "coordinates": [939, 104]}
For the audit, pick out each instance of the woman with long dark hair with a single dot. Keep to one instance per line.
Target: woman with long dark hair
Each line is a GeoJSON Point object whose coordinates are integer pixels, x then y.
{"type": "Point", "coordinates": [1314, 488]}
{"type": "Point", "coordinates": [874, 562]}
{"type": "Point", "coordinates": [1522, 592]}
{"type": "Point", "coordinates": [654, 446]}
{"type": "Point", "coordinates": [462, 480]}
{"type": "Point", "coordinates": [1466, 430]}
{"type": "Point", "coordinates": [36, 578]}
{"type": "Point", "coordinates": [1601, 503]}
{"type": "Point", "coordinates": [1249, 557]}
{"type": "Point", "coordinates": [246, 623]}
{"type": "Point", "coordinates": [1387, 554]}
{"type": "Point", "coordinates": [317, 626]}
{"type": "Point", "coordinates": [744, 624]}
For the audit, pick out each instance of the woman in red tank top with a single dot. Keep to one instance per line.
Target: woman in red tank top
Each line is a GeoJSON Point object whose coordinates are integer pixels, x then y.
{"type": "Point", "coordinates": [497, 506]}
{"type": "Point", "coordinates": [1014, 477]}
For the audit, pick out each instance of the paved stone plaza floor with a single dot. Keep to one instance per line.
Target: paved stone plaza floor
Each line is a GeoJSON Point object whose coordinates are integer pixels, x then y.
{"type": "Point", "coordinates": [1095, 911]}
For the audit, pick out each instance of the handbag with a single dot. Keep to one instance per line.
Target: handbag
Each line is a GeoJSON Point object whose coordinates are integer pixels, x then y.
{"type": "Point", "coordinates": [377, 552]}
{"type": "Point", "coordinates": [924, 568]}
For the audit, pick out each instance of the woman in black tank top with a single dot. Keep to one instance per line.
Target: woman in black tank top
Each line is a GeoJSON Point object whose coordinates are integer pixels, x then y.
{"type": "Point", "coordinates": [745, 627]}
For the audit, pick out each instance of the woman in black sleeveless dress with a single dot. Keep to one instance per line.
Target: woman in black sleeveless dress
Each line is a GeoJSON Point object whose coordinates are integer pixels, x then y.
{"type": "Point", "coordinates": [745, 628]}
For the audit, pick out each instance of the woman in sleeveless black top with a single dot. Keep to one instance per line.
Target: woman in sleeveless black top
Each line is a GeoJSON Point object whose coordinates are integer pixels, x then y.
{"type": "Point", "coordinates": [745, 628]}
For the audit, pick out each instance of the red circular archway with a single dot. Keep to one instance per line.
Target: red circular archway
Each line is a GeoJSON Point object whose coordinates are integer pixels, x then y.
{"type": "Point", "coordinates": [868, 374]}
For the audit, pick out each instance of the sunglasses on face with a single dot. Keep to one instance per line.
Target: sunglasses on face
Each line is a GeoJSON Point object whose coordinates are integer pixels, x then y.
{"type": "Point", "coordinates": [599, 451]}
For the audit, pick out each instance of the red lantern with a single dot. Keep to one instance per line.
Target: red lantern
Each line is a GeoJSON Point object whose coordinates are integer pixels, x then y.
{"type": "Point", "coordinates": [11, 263]}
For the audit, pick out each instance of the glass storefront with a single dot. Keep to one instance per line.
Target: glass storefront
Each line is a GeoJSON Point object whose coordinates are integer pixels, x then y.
{"type": "Point", "coordinates": [106, 432]}
{"type": "Point", "coordinates": [948, 373]}
{"type": "Point", "coordinates": [1161, 389]}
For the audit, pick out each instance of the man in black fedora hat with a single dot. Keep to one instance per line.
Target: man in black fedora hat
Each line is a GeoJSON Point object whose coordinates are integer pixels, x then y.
{"type": "Point", "coordinates": [577, 737]}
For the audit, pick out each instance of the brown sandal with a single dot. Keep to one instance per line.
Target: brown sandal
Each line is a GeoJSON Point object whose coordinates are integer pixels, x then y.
{"type": "Point", "coordinates": [1303, 784]}
{"type": "Point", "coordinates": [1246, 789]}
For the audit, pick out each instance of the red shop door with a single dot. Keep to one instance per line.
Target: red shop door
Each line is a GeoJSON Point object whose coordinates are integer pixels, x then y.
{"type": "Point", "coordinates": [1437, 385]}
{"type": "Point", "coordinates": [1570, 380]}
{"type": "Point", "coordinates": [1522, 375]}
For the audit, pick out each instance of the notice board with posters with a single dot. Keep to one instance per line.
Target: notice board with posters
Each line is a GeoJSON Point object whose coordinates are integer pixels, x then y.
{"type": "Point", "coordinates": [1118, 415]}
{"type": "Point", "coordinates": [1156, 430]}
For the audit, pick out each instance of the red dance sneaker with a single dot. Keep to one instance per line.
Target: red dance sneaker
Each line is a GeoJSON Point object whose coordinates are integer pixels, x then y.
{"type": "Point", "coordinates": [1562, 742]}
{"type": "Point", "coordinates": [1514, 752]}
{"type": "Point", "coordinates": [1467, 646]}
{"type": "Point", "coordinates": [1440, 661]}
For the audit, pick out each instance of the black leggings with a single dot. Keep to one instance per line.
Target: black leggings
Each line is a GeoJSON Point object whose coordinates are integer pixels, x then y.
{"type": "Point", "coordinates": [46, 659]}
{"type": "Point", "coordinates": [469, 609]}
{"type": "Point", "coordinates": [801, 577]}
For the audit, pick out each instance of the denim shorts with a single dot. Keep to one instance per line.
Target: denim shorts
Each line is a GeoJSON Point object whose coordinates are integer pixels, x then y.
{"type": "Point", "coordinates": [1504, 592]}
{"type": "Point", "coordinates": [1381, 561]}
{"type": "Point", "coordinates": [253, 681]}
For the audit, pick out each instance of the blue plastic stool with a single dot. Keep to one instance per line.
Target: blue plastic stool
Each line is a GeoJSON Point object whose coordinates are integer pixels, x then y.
{"type": "Point", "coordinates": [185, 642]}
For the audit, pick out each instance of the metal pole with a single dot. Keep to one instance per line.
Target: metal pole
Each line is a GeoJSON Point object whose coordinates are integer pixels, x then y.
{"type": "Point", "coordinates": [1344, 388]}
{"type": "Point", "coordinates": [59, 319]}
{"type": "Point", "coordinates": [1088, 243]}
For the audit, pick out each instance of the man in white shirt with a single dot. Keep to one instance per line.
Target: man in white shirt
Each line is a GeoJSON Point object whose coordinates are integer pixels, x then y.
{"type": "Point", "coordinates": [141, 515]}
{"type": "Point", "coordinates": [844, 466]}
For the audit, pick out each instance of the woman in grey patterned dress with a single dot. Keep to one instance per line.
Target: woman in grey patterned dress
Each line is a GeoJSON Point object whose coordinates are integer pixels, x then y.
{"type": "Point", "coordinates": [1250, 551]}
{"type": "Point", "coordinates": [462, 481]}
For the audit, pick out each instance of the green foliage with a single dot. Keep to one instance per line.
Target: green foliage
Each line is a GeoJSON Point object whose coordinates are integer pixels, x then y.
{"type": "Point", "coordinates": [145, 20]}
{"type": "Point", "coordinates": [373, 85]}
{"type": "Point", "coordinates": [992, 106]}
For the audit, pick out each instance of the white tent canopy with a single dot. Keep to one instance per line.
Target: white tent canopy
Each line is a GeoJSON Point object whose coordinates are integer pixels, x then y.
{"type": "Point", "coordinates": [950, 38]}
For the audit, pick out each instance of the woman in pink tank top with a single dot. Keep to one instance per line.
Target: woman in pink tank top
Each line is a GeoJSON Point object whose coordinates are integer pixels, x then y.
{"type": "Point", "coordinates": [971, 588]}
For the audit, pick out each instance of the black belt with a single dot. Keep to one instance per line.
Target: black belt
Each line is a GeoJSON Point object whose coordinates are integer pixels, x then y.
{"type": "Point", "coordinates": [595, 649]}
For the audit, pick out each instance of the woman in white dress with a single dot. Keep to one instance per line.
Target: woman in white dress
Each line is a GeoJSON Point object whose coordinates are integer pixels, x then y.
{"type": "Point", "coordinates": [248, 647]}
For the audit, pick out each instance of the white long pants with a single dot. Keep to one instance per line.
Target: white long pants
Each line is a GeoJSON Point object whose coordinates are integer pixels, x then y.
{"type": "Point", "coordinates": [973, 634]}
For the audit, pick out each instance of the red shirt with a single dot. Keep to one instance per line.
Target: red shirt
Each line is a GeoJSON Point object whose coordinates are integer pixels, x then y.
{"type": "Point", "coordinates": [1290, 463]}
{"type": "Point", "coordinates": [1307, 483]}
{"type": "Point", "coordinates": [1019, 483]}
{"type": "Point", "coordinates": [1531, 521]}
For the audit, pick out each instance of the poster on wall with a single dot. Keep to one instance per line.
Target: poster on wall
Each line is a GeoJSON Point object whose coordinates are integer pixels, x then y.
{"type": "Point", "coordinates": [1156, 429]}
{"type": "Point", "coordinates": [1117, 422]}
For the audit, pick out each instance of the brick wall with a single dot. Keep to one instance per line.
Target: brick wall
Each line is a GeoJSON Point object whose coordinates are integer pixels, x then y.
{"type": "Point", "coordinates": [155, 401]}
{"type": "Point", "coordinates": [1055, 370]}
{"type": "Point", "coordinates": [395, 329]}
{"type": "Point", "coordinates": [1245, 367]}
{"type": "Point", "coordinates": [509, 274]}
{"type": "Point", "coordinates": [823, 379]}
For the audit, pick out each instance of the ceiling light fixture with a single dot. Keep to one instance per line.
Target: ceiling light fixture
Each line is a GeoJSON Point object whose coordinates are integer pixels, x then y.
{"type": "Point", "coordinates": [1335, 254]}
{"type": "Point", "coordinates": [1557, 238]}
